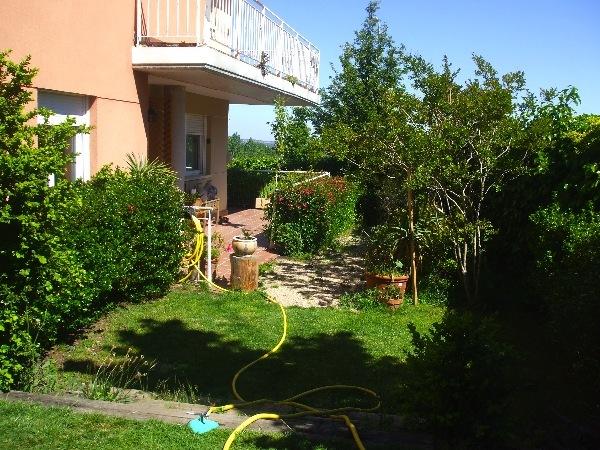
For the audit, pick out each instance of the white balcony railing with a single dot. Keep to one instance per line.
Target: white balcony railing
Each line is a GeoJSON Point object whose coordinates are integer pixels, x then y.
{"type": "Point", "coordinates": [244, 29]}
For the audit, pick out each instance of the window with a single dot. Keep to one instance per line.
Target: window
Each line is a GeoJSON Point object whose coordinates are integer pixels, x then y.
{"type": "Point", "coordinates": [63, 106]}
{"type": "Point", "coordinates": [195, 144]}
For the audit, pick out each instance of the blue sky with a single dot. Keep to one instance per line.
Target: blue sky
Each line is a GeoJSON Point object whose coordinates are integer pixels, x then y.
{"type": "Point", "coordinates": [555, 42]}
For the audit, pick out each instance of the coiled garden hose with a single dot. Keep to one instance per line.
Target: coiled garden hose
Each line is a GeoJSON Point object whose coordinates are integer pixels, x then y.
{"type": "Point", "coordinates": [191, 260]}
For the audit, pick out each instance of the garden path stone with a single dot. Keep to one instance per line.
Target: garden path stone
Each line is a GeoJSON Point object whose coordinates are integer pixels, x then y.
{"type": "Point", "coordinates": [374, 429]}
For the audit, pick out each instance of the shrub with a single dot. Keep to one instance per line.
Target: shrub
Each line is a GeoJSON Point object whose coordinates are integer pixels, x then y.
{"type": "Point", "coordinates": [40, 280]}
{"type": "Point", "coordinates": [568, 263]}
{"type": "Point", "coordinates": [361, 300]}
{"type": "Point", "coordinates": [17, 350]}
{"type": "Point", "coordinates": [314, 213]}
{"type": "Point", "coordinates": [128, 231]}
{"type": "Point", "coordinates": [458, 382]}
{"type": "Point", "coordinates": [288, 239]}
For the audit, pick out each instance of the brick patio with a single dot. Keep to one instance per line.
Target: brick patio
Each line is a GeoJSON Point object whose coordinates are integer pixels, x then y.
{"type": "Point", "coordinates": [253, 220]}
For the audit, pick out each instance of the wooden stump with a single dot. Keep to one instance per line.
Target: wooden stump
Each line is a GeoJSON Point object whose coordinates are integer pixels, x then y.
{"type": "Point", "coordinates": [244, 272]}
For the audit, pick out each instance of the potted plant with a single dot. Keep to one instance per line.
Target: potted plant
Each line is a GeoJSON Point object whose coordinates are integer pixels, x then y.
{"type": "Point", "coordinates": [244, 244]}
{"type": "Point", "coordinates": [391, 295]}
{"type": "Point", "coordinates": [387, 252]}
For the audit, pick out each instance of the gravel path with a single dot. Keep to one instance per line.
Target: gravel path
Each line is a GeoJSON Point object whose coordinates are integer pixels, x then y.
{"type": "Point", "coordinates": [319, 282]}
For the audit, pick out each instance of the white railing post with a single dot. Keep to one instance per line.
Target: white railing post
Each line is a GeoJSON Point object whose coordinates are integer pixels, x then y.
{"type": "Point", "coordinates": [261, 32]}
{"type": "Point", "coordinates": [209, 249]}
{"type": "Point", "coordinates": [138, 25]}
{"type": "Point", "coordinates": [207, 20]}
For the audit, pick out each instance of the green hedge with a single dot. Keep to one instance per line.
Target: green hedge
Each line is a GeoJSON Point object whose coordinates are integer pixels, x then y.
{"type": "Point", "coordinates": [566, 278]}
{"type": "Point", "coordinates": [244, 176]}
{"type": "Point", "coordinates": [127, 232]}
{"type": "Point", "coordinates": [244, 186]}
{"type": "Point", "coordinates": [308, 217]}
{"type": "Point", "coordinates": [458, 382]}
{"type": "Point", "coordinates": [69, 250]}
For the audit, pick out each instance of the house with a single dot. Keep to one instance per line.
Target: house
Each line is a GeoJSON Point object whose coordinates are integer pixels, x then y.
{"type": "Point", "coordinates": [156, 77]}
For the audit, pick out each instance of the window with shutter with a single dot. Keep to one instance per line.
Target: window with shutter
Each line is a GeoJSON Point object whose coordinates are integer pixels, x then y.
{"type": "Point", "coordinates": [67, 105]}
{"type": "Point", "coordinates": [195, 144]}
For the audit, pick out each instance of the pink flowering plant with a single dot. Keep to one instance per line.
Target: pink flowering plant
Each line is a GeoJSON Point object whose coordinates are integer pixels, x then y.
{"type": "Point", "coordinates": [306, 218]}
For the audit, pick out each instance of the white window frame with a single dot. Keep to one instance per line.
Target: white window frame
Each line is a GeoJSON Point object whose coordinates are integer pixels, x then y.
{"type": "Point", "coordinates": [196, 124]}
{"type": "Point", "coordinates": [81, 140]}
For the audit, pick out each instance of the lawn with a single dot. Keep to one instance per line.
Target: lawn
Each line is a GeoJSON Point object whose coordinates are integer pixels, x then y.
{"type": "Point", "coordinates": [199, 340]}
{"type": "Point", "coordinates": [30, 426]}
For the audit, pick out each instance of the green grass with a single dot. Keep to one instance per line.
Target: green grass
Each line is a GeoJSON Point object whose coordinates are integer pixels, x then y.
{"type": "Point", "coordinates": [200, 340]}
{"type": "Point", "coordinates": [24, 425]}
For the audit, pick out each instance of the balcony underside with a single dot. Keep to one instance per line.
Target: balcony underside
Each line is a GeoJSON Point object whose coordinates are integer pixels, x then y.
{"type": "Point", "coordinates": [209, 72]}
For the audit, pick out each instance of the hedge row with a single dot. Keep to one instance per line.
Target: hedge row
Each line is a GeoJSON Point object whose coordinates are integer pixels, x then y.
{"type": "Point", "coordinates": [118, 238]}
{"type": "Point", "coordinates": [246, 174]}
{"type": "Point", "coordinates": [308, 217]}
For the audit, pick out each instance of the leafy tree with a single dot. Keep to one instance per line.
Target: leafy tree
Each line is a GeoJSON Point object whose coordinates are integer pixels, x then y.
{"type": "Point", "coordinates": [366, 119]}
{"type": "Point", "coordinates": [357, 93]}
{"type": "Point", "coordinates": [295, 143]}
{"type": "Point", "coordinates": [40, 275]}
{"type": "Point", "coordinates": [475, 135]}
{"type": "Point", "coordinates": [234, 144]}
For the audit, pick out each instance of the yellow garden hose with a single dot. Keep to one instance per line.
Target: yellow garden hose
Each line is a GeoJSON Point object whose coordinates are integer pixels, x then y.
{"type": "Point", "coordinates": [191, 260]}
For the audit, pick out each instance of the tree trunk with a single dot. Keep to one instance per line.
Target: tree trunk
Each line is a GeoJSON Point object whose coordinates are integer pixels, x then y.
{"type": "Point", "coordinates": [413, 252]}
{"type": "Point", "coordinates": [244, 272]}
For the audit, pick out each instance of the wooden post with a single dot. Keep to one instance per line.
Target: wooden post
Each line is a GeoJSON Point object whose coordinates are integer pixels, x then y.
{"type": "Point", "coordinates": [244, 272]}
{"type": "Point", "coordinates": [413, 254]}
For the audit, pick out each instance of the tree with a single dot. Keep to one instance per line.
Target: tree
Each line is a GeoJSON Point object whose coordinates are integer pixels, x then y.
{"type": "Point", "coordinates": [366, 118]}
{"type": "Point", "coordinates": [234, 144]}
{"type": "Point", "coordinates": [475, 136]}
{"type": "Point", "coordinates": [297, 146]}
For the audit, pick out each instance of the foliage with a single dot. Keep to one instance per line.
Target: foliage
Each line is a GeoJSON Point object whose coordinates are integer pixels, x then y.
{"type": "Point", "coordinates": [41, 278]}
{"type": "Point", "coordinates": [127, 231]}
{"type": "Point", "coordinates": [130, 372]}
{"type": "Point", "coordinates": [312, 214]}
{"type": "Point", "coordinates": [427, 144]}
{"type": "Point", "coordinates": [17, 349]}
{"type": "Point", "coordinates": [296, 145]}
{"type": "Point", "coordinates": [387, 250]}
{"type": "Point", "coordinates": [475, 138]}
{"type": "Point", "coordinates": [266, 268]}
{"type": "Point", "coordinates": [459, 381]}
{"type": "Point", "coordinates": [288, 239]}
{"type": "Point", "coordinates": [361, 300]}
{"type": "Point", "coordinates": [268, 188]}
{"type": "Point", "coordinates": [357, 94]}
{"type": "Point", "coordinates": [217, 246]}
{"type": "Point", "coordinates": [247, 171]}
{"type": "Point", "coordinates": [566, 278]}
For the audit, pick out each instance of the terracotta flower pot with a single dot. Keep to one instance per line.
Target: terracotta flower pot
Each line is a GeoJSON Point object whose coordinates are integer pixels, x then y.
{"type": "Point", "coordinates": [244, 246]}
{"type": "Point", "coordinates": [395, 303]}
{"type": "Point", "coordinates": [381, 281]}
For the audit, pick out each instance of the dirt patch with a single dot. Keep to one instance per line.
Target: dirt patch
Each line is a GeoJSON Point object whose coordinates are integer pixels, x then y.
{"type": "Point", "coordinates": [319, 282]}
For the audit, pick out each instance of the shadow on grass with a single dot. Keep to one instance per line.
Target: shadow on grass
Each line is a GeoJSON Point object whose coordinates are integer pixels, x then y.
{"type": "Point", "coordinates": [208, 361]}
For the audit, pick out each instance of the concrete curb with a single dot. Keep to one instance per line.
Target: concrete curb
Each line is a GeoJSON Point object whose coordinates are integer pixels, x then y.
{"type": "Point", "coordinates": [378, 429]}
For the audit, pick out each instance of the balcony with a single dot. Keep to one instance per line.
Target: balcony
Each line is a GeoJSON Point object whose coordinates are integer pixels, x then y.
{"type": "Point", "coordinates": [237, 50]}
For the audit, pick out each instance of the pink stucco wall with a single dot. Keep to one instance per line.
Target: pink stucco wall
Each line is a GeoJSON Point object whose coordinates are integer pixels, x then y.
{"type": "Point", "coordinates": [84, 47]}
